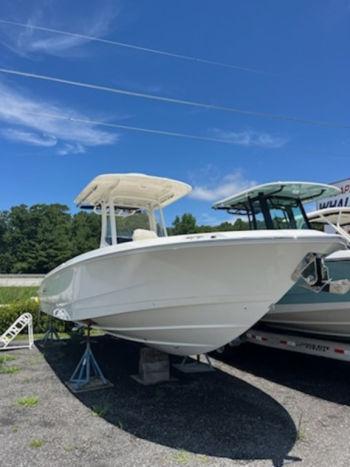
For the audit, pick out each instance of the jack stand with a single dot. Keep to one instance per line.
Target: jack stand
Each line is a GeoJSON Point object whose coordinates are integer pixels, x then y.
{"type": "Point", "coordinates": [51, 335]}
{"type": "Point", "coordinates": [195, 366]}
{"type": "Point", "coordinates": [153, 367]}
{"type": "Point", "coordinates": [87, 375]}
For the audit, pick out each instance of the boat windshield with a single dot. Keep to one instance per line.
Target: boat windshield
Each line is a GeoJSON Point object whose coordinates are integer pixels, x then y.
{"type": "Point", "coordinates": [126, 224]}
{"type": "Point", "coordinates": [286, 213]}
{"type": "Point", "coordinates": [274, 212]}
{"type": "Point", "coordinates": [120, 224]}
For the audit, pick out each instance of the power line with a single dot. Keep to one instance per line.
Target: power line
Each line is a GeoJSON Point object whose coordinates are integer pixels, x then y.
{"type": "Point", "coordinates": [131, 46]}
{"type": "Point", "coordinates": [129, 128]}
{"type": "Point", "coordinates": [172, 100]}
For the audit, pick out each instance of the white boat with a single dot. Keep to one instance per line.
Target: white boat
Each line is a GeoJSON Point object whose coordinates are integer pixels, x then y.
{"type": "Point", "coordinates": [332, 220]}
{"type": "Point", "coordinates": [301, 309]}
{"type": "Point", "coordinates": [326, 314]}
{"type": "Point", "coordinates": [184, 295]}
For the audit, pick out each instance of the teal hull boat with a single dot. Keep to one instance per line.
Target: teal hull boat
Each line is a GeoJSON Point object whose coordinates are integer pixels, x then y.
{"type": "Point", "coordinates": [279, 205]}
{"type": "Point", "coordinates": [303, 310]}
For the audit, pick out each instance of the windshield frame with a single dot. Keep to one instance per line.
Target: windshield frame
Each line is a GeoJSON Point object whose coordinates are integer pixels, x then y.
{"type": "Point", "coordinates": [266, 211]}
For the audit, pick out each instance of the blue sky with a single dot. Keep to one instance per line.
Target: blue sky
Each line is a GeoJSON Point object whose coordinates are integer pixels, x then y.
{"type": "Point", "coordinates": [297, 53]}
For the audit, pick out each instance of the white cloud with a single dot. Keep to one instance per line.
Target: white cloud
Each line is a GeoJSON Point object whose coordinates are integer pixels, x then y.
{"type": "Point", "coordinates": [226, 186]}
{"type": "Point", "coordinates": [57, 44]}
{"type": "Point", "coordinates": [53, 14]}
{"type": "Point", "coordinates": [43, 123]}
{"type": "Point", "coordinates": [250, 138]}
{"type": "Point", "coordinates": [68, 148]}
{"type": "Point", "coordinates": [29, 137]}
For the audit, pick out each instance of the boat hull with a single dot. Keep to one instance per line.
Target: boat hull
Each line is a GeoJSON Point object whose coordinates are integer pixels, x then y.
{"type": "Point", "coordinates": [323, 313]}
{"type": "Point", "coordinates": [183, 295]}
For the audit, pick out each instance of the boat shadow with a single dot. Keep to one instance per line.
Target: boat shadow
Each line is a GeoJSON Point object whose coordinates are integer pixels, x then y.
{"type": "Point", "coordinates": [212, 414]}
{"type": "Point", "coordinates": [317, 376]}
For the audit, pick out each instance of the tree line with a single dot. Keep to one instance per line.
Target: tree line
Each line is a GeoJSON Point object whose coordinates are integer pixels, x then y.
{"type": "Point", "coordinates": [36, 239]}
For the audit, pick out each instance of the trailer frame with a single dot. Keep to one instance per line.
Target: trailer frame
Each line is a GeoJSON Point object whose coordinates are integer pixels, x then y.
{"type": "Point", "coordinates": [304, 344]}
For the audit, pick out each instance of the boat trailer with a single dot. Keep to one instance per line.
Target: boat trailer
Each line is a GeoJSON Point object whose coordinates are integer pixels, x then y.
{"type": "Point", "coordinates": [298, 343]}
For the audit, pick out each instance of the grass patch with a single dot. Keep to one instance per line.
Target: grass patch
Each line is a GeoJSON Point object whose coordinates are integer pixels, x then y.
{"type": "Point", "coordinates": [39, 336]}
{"type": "Point", "coordinates": [15, 294]}
{"type": "Point", "coordinates": [300, 430]}
{"type": "Point", "coordinates": [6, 358]}
{"type": "Point", "coordinates": [182, 457]}
{"type": "Point", "coordinates": [68, 448]}
{"type": "Point", "coordinates": [36, 443]}
{"type": "Point", "coordinates": [5, 369]}
{"type": "Point", "coordinates": [65, 335]}
{"type": "Point", "coordinates": [28, 401]}
{"type": "Point", "coordinates": [100, 410]}
{"type": "Point", "coordinates": [8, 370]}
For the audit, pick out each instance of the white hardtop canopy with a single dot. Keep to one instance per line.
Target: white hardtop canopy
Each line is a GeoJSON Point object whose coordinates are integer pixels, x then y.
{"type": "Point", "coordinates": [338, 216]}
{"type": "Point", "coordinates": [304, 191]}
{"type": "Point", "coordinates": [131, 190]}
{"type": "Point", "coordinates": [112, 194]}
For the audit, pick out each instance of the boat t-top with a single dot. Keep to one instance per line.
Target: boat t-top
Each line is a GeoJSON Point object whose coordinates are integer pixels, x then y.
{"type": "Point", "coordinates": [186, 294]}
{"type": "Point", "coordinates": [335, 219]}
{"type": "Point", "coordinates": [280, 206]}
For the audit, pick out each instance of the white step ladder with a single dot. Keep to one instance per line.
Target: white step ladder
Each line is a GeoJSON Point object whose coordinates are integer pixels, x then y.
{"type": "Point", "coordinates": [12, 332]}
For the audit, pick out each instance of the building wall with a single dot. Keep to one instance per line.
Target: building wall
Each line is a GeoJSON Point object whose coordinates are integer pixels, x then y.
{"type": "Point", "coordinates": [21, 280]}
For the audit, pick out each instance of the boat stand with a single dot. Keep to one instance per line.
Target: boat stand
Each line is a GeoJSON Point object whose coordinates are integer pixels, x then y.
{"type": "Point", "coordinates": [195, 365]}
{"type": "Point", "coordinates": [51, 334]}
{"type": "Point", "coordinates": [88, 375]}
{"type": "Point", "coordinates": [154, 367]}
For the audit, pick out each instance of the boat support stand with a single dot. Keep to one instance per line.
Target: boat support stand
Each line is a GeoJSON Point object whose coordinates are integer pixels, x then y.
{"type": "Point", "coordinates": [88, 375]}
{"type": "Point", "coordinates": [51, 334]}
{"type": "Point", "coordinates": [191, 365]}
{"type": "Point", "coordinates": [154, 367]}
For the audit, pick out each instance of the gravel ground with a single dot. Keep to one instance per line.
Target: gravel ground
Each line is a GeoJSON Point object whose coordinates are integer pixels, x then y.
{"type": "Point", "coordinates": [260, 407]}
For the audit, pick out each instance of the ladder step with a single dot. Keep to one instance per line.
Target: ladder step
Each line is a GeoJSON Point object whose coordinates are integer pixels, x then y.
{"type": "Point", "coordinates": [20, 323]}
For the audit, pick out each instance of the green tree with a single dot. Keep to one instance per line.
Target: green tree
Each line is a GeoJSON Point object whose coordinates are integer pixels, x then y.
{"type": "Point", "coordinates": [240, 225]}
{"type": "Point", "coordinates": [85, 232]}
{"type": "Point", "coordinates": [186, 224]}
{"type": "Point", "coordinates": [5, 257]}
{"type": "Point", "coordinates": [36, 239]}
{"type": "Point", "coordinates": [18, 241]}
{"type": "Point", "coordinates": [52, 236]}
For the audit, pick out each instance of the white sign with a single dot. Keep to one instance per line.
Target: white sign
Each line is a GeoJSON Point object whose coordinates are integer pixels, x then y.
{"type": "Point", "coordinates": [341, 200]}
